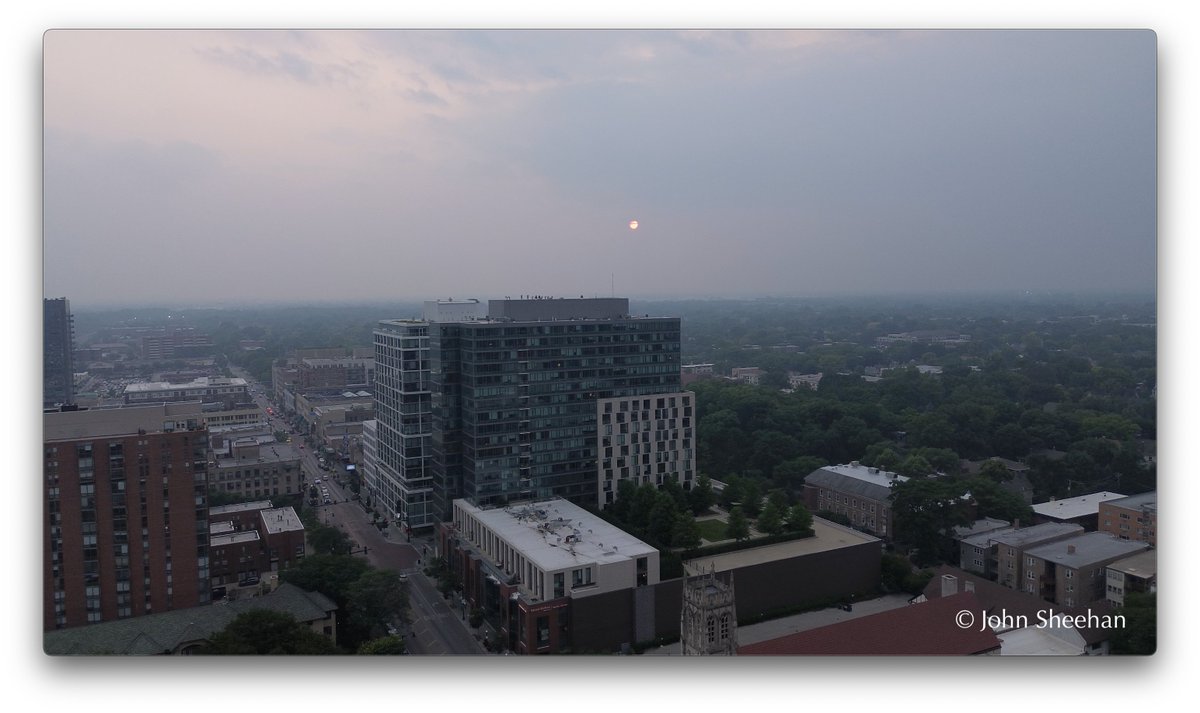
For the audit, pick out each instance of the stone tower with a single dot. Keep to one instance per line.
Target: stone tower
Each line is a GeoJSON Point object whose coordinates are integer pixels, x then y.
{"type": "Point", "coordinates": [708, 622]}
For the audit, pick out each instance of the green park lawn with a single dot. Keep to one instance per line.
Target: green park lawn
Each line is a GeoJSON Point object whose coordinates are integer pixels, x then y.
{"type": "Point", "coordinates": [711, 530]}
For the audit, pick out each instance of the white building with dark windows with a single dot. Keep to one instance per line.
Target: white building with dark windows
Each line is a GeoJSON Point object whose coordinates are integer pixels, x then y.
{"type": "Point", "coordinates": [548, 574]}
{"type": "Point", "coordinates": [645, 439]}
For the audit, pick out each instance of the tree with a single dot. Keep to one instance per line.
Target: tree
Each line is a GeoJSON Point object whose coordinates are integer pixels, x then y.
{"type": "Point", "coordinates": [1139, 636]}
{"type": "Point", "coordinates": [915, 466]}
{"type": "Point", "coordinates": [992, 500]}
{"type": "Point", "coordinates": [661, 525]}
{"type": "Point", "coordinates": [330, 575]}
{"type": "Point", "coordinates": [328, 540]}
{"type": "Point", "coordinates": [799, 518]}
{"type": "Point", "coordinates": [686, 534]}
{"type": "Point", "coordinates": [995, 471]}
{"type": "Point", "coordinates": [384, 646]}
{"type": "Point", "coordinates": [737, 527]}
{"type": "Point", "coordinates": [924, 513]}
{"type": "Point", "coordinates": [770, 520]}
{"type": "Point", "coordinates": [751, 497]}
{"type": "Point", "coordinates": [701, 496]}
{"type": "Point", "coordinates": [375, 598]}
{"type": "Point", "coordinates": [262, 632]}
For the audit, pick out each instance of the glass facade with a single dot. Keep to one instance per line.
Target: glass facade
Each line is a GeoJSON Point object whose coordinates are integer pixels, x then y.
{"type": "Point", "coordinates": [514, 403]}
{"type": "Point", "coordinates": [403, 420]}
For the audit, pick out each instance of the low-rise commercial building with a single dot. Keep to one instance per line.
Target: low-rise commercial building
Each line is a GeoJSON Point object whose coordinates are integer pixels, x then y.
{"type": "Point", "coordinates": [254, 469]}
{"type": "Point", "coordinates": [525, 565]}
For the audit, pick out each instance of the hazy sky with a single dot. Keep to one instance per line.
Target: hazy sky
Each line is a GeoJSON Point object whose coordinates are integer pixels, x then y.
{"type": "Point", "coordinates": [214, 166]}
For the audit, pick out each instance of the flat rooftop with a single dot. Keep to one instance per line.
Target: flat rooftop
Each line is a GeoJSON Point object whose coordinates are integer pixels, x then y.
{"type": "Point", "coordinates": [1088, 548]}
{"type": "Point", "coordinates": [239, 507]}
{"type": "Point", "coordinates": [1143, 564]}
{"type": "Point", "coordinates": [1075, 507]}
{"type": "Point", "coordinates": [220, 528]}
{"type": "Point", "coordinates": [119, 421]}
{"type": "Point", "coordinates": [203, 382]}
{"type": "Point", "coordinates": [1141, 501]}
{"type": "Point", "coordinates": [1031, 535]}
{"type": "Point", "coordinates": [855, 479]}
{"type": "Point", "coordinates": [826, 536]}
{"type": "Point", "coordinates": [279, 520]}
{"type": "Point", "coordinates": [556, 534]}
{"type": "Point", "coordinates": [233, 538]}
{"type": "Point", "coordinates": [979, 527]}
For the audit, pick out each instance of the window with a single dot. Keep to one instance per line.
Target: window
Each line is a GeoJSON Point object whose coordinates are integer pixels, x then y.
{"type": "Point", "coordinates": [711, 629]}
{"type": "Point", "coordinates": [724, 626]}
{"type": "Point", "coordinates": [581, 577]}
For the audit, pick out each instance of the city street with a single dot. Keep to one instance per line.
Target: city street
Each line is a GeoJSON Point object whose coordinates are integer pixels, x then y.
{"type": "Point", "coordinates": [437, 625]}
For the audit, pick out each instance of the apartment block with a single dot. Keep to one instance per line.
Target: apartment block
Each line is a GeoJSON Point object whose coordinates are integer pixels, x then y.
{"type": "Point", "coordinates": [1006, 549]}
{"type": "Point", "coordinates": [125, 513]}
{"type": "Point", "coordinates": [250, 539]}
{"type": "Point", "coordinates": [1135, 574]}
{"type": "Point", "coordinates": [647, 440]}
{"type": "Point", "coordinates": [1072, 572]}
{"type": "Point", "coordinates": [1132, 518]}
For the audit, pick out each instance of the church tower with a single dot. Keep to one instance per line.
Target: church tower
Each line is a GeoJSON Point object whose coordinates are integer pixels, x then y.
{"type": "Point", "coordinates": [708, 625]}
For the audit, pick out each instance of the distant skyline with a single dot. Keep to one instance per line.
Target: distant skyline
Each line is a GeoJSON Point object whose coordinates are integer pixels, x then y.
{"type": "Point", "coordinates": [233, 167]}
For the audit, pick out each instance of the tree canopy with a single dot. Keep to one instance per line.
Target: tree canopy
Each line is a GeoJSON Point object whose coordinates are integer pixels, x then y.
{"type": "Point", "coordinates": [261, 632]}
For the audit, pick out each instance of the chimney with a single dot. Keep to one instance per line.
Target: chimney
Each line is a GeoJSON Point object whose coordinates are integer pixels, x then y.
{"type": "Point", "coordinates": [1017, 524]}
{"type": "Point", "coordinates": [968, 586]}
{"type": "Point", "coordinates": [1070, 549]}
{"type": "Point", "coordinates": [853, 464]}
{"type": "Point", "coordinates": [949, 585]}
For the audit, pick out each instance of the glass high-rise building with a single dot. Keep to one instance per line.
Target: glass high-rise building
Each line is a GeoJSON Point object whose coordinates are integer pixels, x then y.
{"type": "Point", "coordinates": [502, 406]}
{"type": "Point", "coordinates": [58, 344]}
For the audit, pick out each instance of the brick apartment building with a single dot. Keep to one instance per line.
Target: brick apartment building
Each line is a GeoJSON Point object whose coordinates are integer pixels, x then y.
{"type": "Point", "coordinates": [125, 513]}
{"type": "Point", "coordinates": [1072, 572]}
{"type": "Point", "coordinates": [250, 539]}
{"type": "Point", "coordinates": [1132, 518]}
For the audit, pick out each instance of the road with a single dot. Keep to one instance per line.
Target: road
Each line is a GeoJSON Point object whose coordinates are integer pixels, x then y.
{"type": "Point", "coordinates": [437, 626]}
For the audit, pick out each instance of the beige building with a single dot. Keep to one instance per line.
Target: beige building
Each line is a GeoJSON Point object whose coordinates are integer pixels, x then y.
{"type": "Point", "coordinates": [1138, 573]}
{"type": "Point", "coordinates": [206, 389]}
{"type": "Point", "coordinates": [259, 470]}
